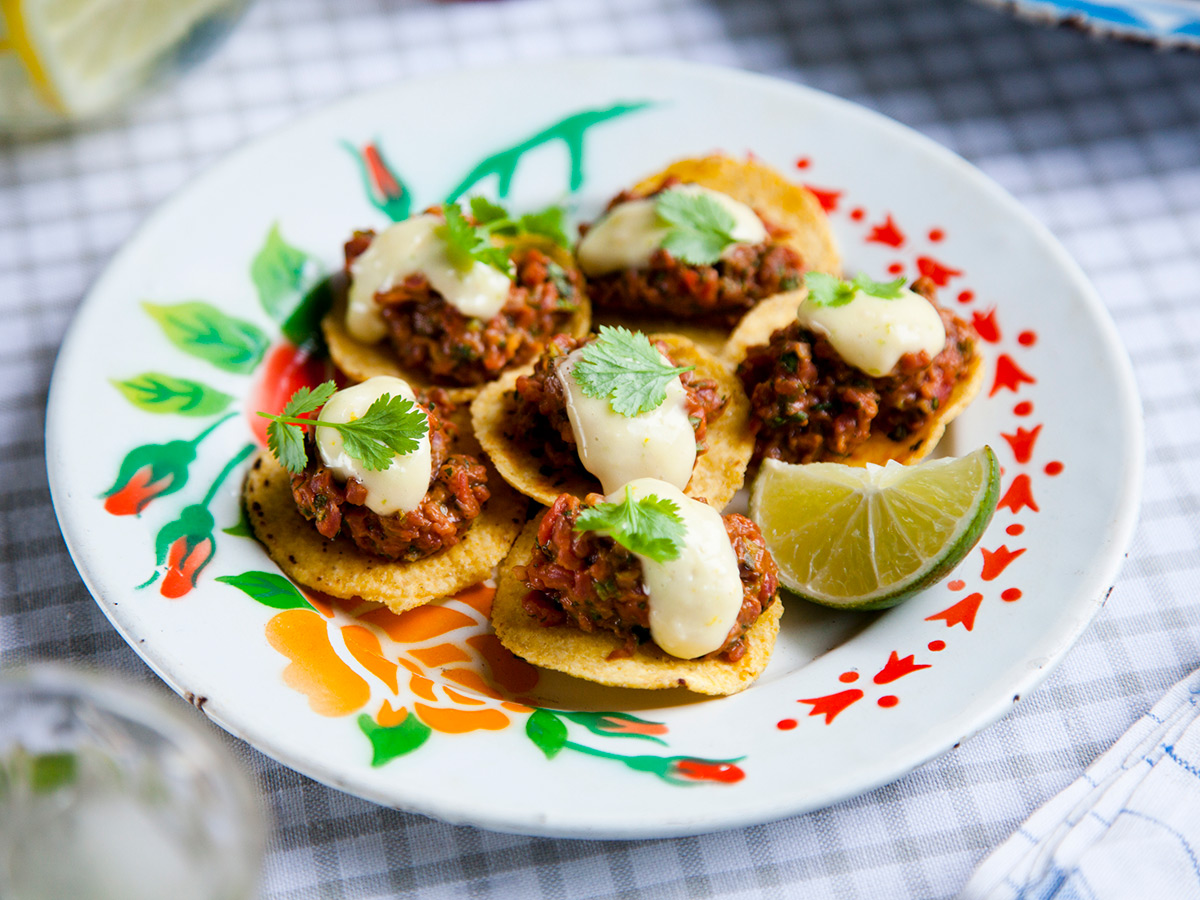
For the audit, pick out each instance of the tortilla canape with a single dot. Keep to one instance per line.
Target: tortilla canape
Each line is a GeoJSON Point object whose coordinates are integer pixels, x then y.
{"type": "Point", "coordinates": [652, 263]}
{"type": "Point", "coordinates": [414, 309]}
{"type": "Point", "coordinates": [432, 522]}
{"type": "Point", "coordinates": [605, 613]}
{"type": "Point", "coordinates": [862, 378]}
{"type": "Point", "coordinates": [546, 436]}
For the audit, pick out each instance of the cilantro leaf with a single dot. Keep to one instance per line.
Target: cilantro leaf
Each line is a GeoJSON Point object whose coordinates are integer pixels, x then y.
{"type": "Point", "coordinates": [550, 222]}
{"type": "Point", "coordinates": [495, 219]}
{"type": "Point", "coordinates": [650, 526]}
{"type": "Point", "coordinates": [486, 212]}
{"type": "Point", "coordinates": [701, 228]}
{"type": "Point", "coordinates": [307, 400]}
{"type": "Point", "coordinates": [826, 290]}
{"type": "Point", "coordinates": [624, 367]}
{"type": "Point", "coordinates": [884, 290]}
{"type": "Point", "coordinates": [467, 244]}
{"type": "Point", "coordinates": [391, 426]}
{"type": "Point", "coordinates": [286, 442]}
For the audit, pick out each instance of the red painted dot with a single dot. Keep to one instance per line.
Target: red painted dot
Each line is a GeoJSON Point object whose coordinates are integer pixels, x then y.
{"type": "Point", "coordinates": [1011, 594]}
{"type": "Point", "coordinates": [1053, 468]}
{"type": "Point", "coordinates": [847, 677]}
{"type": "Point", "coordinates": [1023, 408]}
{"type": "Point", "coordinates": [895, 268]}
{"type": "Point", "coordinates": [786, 724]}
{"type": "Point", "coordinates": [1026, 338]}
{"type": "Point", "coordinates": [1015, 529]}
{"type": "Point", "coordinates": [858, 214]}
{"type": "Point", "coordinates": [936, 234]}
{"type": "Point", "coordinates": [956, 585]}
{"type": "Point", "coordinates": [935, 646]}
{"type": "Point", "coordinates": [888, 701]}
{"type": "Point", "coordinates": [966, 296]}
{"type": "Point", "coordinates": [803, 162]}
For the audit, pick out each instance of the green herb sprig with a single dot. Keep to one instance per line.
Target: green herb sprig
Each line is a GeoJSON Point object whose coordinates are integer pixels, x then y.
{"type": "Point", "coordinates": [826, 290]}
{"type": "Point", "coordinates": [651, 527]}
{"type": "Point", "coordinates": [391, 426]}
{"type": "Point", "coordinates": [624, 367]}
{"type": "Point", "coordinates": [467, 244]}
{"type": "Point", "coordinates": [550, 222]}
{"type": "Point", "coordinates": [700, 227]}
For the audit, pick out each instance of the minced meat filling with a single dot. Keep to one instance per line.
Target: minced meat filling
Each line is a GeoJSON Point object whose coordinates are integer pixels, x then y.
{"type": "Point", "coordinates": [808, 405]}
{"type": "Point", "coordinates": [457, 491]}
{"type": "Point", "coordinates": [431, 336]}
{"type": "Point", "coordinates": [589, 581]}
{"type": "Point", "coordinates": [720, 293]}
{"type": "Point", "coordinates": [539, 421]}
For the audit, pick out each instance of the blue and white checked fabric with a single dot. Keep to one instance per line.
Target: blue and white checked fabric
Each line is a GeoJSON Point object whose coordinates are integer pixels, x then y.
{"type": "Point", "coordinates": [1099, 140]}
{"type": "Point", "coordinates": [1128, 827]}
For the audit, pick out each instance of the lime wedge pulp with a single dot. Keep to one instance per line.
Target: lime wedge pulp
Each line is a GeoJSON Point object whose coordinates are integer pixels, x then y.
{"type": "Point", "coordinates": [867, 538]}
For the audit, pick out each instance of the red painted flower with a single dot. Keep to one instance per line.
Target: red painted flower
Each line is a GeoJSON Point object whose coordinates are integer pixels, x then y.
{"type": "Point", "coordinates": [184, 562]}
{"type": "Point", "coordinates": [152, 471]}
{"type": "Point", "coordinates": [139, 489]}
{"type": "Point", "coordinates": [385, 189]}
{"type": "Point", "coordinates": [688, 769]}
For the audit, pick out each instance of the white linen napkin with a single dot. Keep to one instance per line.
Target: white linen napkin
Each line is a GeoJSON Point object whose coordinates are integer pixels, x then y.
{"type": "Point", "coordinates": [1128, 827]}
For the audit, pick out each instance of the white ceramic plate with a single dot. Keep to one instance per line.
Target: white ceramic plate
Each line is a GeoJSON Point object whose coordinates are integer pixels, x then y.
{"type": "Point", "coordinates": [148, 423]}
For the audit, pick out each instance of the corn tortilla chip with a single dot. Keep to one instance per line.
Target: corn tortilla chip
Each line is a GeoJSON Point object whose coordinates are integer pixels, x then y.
{"type": "Point", "coordinates": [361, 361]}
{"type": "Point", "coordinates": [585, 654]}
{"type": "Point", "coordinates": [339, 568]}
{"type": "Point", "coordinates": [718, 473]}
{"type": "Point", "coordinates": [779, 311]}
{"type": "Point", "coordinates": [786, 204]}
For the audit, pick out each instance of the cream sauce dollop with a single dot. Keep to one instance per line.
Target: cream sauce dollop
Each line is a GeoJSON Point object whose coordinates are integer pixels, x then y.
{"type": "Point", "coordinates": [627, 236]}
{"type": "Point", "coordinates": [618, 448]}
{"type": "Point", "coordinates": [871, 333]}
{"type": "Point", "coordinates": [401, 486]}
{"type": "Point", "coordinates": [696, 597]}
{"type": "Point", "coordinates": [412, 247]}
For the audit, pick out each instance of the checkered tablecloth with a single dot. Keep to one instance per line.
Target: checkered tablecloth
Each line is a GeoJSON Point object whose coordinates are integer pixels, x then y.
{"type": "Point", "coordinates": [1100, 140]}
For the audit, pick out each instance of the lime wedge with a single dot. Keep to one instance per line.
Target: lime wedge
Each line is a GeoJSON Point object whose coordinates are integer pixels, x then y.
{"type": "Point", "coordinates": [867, 538]}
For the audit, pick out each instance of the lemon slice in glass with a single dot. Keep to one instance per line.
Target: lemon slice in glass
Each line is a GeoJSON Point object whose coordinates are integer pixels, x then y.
{"type": "Point", "coordinates": [80, 57]}
{"type": "Point", "coordinates": [867, 538]}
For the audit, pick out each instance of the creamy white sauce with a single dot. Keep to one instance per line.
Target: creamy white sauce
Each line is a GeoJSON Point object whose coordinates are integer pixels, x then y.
{"type": "Point", "coordinates": [695, 598]}
{"type": "Point", "coordinates": [617, 448]}
{"type": "Point", "coordinates": [627, 237]}
{"type": "Point", "coordinates": [407, 248]}
{"type": "Point", "coordinates": [401, 486]}
{"type": "Point", "coordinates": [871, 333]}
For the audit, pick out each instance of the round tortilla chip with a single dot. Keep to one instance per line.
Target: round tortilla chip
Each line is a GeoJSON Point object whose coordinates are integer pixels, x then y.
{"type": "Point", "coordinates": [717, 475]}
{"type": "Point", "coordinates": [585, 654]}
{"type": "Point", "coordinates": [339, 568]}
{"type": "Point", "coordinates": [757, 326]}
{"type": "Point", "coordinates": [361, 361]}
{"type": "Point", "coordinates": [787, 205]}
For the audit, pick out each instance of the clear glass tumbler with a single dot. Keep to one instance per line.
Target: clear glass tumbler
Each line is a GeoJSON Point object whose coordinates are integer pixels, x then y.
{"type": "Point", "coordinates": [107, 792]}
{"type": "Point", "coordinates": [64, 61]}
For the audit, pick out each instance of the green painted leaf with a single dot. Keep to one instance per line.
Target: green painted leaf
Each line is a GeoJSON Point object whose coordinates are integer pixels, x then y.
{"type": "Point", "coordinates": [159, 393]}
{"type": "Point", "coordinates": [268, 588]}
{"type": "Point", "coordinates": [618, 724]}
{"type": "Point", "coordinates": [388, 742]}
{"type": "Point", "coordinates": [202, 330]}
{"type": "Point", "coordinates": [278, 272]}
{"type": "Point", "coordinates": [547, 731]}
